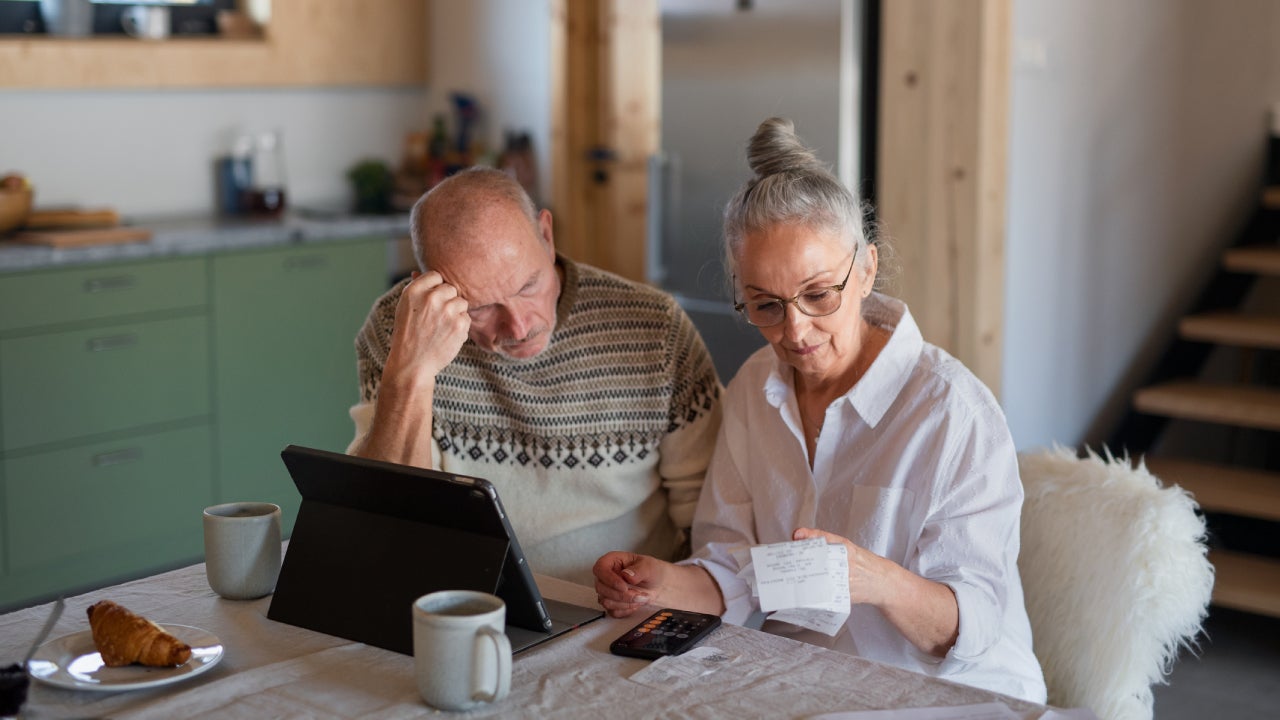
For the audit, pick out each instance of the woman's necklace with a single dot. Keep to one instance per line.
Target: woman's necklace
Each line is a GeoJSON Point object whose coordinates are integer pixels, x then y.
{"type": "Point", "coordinates": [814, 414]}
{"type": "Point", "coordinates": [814, 423]}
{"type": "Point", "coordinates": [813, 418]}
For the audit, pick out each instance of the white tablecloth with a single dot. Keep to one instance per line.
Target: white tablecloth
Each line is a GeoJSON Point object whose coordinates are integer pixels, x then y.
{"type": "Point", "coordinates": [273, 670]}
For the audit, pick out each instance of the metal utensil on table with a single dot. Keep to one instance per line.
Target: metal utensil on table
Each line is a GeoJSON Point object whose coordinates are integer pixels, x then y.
{"type": "Point", "coordinates": [14, 680]}
{"type": "Point", "coordinates": [44, 631]}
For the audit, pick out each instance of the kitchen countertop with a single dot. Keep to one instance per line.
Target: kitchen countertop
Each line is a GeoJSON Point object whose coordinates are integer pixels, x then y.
{"type": "Point", "coordinates": [178, 236]}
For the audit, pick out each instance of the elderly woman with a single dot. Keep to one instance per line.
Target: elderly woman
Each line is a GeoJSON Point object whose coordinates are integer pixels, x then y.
{"type": "Point", "coordinates": [850, 427]}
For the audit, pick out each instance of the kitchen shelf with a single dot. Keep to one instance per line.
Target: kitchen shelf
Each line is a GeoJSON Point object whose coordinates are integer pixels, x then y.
{"type": "Point", "coordinates": [334, 43]}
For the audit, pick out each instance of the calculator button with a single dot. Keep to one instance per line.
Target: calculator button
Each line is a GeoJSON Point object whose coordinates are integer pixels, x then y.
{"type": "Point", "coordinates": [682, 636]}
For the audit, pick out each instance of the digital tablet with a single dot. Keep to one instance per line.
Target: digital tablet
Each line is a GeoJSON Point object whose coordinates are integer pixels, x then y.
{"type": "Point", "coordinates": [371, 537]}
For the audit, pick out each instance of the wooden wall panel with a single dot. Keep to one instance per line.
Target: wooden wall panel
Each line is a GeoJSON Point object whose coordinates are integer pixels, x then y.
{"type": "Point", "coordinates": [632, 117]}
{"type": "Point", "coordinates": [611, 69]}
{"type": "Point", "coordinates": [942, 169]}
{"type": "Point", "coordinates": [558, 135]}
{"type": "Point", "coordinates": [982, 339]}
{"type": "Point", "coordinates": [574, 200]}
{"type": "Point", "coordinates": [308, 43]}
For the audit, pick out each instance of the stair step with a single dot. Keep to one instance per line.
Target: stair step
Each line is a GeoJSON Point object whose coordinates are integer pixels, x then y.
{"type": "Point", "coordinates": [1242, 405]}
{"type": "Point", "coordinates": [1246, 582]}
{"type": "Point", "coordinates": [1271, 197]}
{"type": "Point", "coordinates": [1223, 488]}
{"type": "Point", "coordinates": [1232, 328]}
{"type": "Point", "coordinates": [1259, 259]}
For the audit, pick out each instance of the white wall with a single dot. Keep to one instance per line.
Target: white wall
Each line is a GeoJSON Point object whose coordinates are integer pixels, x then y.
{"type": "Point", "coordinates": [500, 52]}
{"type": "Point", "coordinates": [150, 153]}
{"type": "Point", "coordinates": [1137, 138]}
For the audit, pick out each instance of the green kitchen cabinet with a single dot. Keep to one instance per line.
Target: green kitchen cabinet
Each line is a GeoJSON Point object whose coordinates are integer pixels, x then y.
{"type": "Point", "coordinates": [134, 394]}
{"type": "Point", "coordinates": [97, 513]}
{"type": "Point", "coordinates": [284, 327]}
{"type": "Point", "coordinates": [80, 383]}
{"type": "Point", "coordinates": [106, 454]}
{"type": "Point", "coordinates": [46, 298]}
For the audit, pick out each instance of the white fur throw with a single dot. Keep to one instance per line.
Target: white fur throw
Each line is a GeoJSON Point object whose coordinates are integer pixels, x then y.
{"type": "Point", "coordinates": [1116, 578]}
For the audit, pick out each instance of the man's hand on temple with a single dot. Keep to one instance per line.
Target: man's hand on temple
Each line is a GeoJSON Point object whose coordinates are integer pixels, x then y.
{"type": "Point", "coordinates": [431, 326]}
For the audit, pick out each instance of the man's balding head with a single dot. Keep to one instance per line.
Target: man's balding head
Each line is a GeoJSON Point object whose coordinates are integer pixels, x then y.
{"type": "Point", "coordinates": [452, 215]}
{"type": "Point", "coordinates": [481, 232]}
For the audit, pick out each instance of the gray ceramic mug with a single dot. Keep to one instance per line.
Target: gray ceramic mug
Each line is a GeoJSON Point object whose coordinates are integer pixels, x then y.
{"type": "Point", "coordinates": [242, 549]}
{"type": "Point", "coordinates": [461, 657]}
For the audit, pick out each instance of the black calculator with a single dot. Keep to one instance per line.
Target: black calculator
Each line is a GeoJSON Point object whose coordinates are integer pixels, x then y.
{"type": "Point", "coordinates": [666, 632]}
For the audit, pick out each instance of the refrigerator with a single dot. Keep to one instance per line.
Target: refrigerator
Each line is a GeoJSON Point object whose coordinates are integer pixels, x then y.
{"type": "Point", "coordinates": [726, 66]}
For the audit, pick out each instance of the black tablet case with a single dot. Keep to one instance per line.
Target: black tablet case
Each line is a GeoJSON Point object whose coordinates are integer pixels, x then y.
{"type": "Point", "coordinates": [372, 537]}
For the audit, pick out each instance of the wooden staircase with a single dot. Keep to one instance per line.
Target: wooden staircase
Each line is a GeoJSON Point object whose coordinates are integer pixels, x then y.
{"type": "Point", "coordinates": [1244, 580]}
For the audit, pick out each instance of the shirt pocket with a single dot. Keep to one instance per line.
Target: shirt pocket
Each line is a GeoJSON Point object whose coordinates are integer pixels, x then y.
{"type": "Point", "coordinates": [879, 519]}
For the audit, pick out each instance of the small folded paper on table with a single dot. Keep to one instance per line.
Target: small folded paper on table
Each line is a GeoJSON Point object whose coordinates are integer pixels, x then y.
{"type": "Point", "coordinates": [804, 582]}
{"type": "Point", "coordinates": [676, 669]}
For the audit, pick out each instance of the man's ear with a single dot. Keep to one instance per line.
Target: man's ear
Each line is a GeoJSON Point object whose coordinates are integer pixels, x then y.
{"type": "Point", "coordinates": [544, 229]}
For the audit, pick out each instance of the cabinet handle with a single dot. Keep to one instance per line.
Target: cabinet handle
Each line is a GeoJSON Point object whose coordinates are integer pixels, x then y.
{"type": "Point", "coordinates": [305, 262]}
{"type": "Point", "coordinates": [112, 342]}
{"type": "Point", "coordinates": [104, 284]}
{"type": "Point", "coordinates": [117, 457]}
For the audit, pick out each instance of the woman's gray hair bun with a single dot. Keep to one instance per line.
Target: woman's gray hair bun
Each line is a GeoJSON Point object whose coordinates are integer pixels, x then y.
{"type": "Point", "coordinates": [789, 186]}
{"type": "Point", "coordinates": [775, 149]}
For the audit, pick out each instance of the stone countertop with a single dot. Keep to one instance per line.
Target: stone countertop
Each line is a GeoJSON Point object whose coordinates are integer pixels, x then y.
{"type": "Point", "coordinates": [174, 237]}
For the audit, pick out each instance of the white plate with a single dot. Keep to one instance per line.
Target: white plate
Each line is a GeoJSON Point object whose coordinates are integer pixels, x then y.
{"type": "Point", "coordinates": [72, 661]}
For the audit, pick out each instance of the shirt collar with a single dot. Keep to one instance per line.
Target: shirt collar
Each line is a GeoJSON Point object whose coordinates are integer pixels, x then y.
{"type": "Point", "coordinates": [880, 385]}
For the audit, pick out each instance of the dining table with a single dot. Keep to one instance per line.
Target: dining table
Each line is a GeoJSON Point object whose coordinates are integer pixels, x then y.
{"type": "Point", "coordinates": [268, 669]}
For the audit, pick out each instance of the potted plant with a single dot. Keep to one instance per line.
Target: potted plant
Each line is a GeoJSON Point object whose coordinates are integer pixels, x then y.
{"type": "Point", "coordinates": [373, 184]}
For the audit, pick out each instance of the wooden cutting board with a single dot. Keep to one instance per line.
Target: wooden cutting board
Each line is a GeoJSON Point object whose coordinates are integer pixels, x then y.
{"type": "Point", "coordinates": [83, 238]}
{"type": "Point", "coordinates": [71, 218]}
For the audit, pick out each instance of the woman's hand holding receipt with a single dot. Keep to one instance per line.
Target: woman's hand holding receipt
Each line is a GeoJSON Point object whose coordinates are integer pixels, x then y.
{"type": "Point", "coordinates": [867, 571]}
{"type": "Point", "coordinates": [923, 610]}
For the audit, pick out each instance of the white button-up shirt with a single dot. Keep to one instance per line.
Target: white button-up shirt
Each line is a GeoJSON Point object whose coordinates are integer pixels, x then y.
{"type": "Point", "coordinates": [914, 463]}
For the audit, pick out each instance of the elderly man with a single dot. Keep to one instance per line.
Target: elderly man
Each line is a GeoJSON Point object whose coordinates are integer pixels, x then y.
{"type": "Point", "coordinates": [589, 401]}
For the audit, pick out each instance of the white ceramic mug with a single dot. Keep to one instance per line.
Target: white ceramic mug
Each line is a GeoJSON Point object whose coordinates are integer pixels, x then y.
{"type": "Point", "coordinates": [149, 22]}
{"type": "Point", "coordinates": [70, 18]}
{"type": "Point", "coordinates": [242, 549]}
{"type": "Point", "coordinates": [461, 656]}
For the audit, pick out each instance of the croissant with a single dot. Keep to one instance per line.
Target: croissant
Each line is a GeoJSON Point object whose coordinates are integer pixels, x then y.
{"type": "Point", "coordinates": [123, 638]}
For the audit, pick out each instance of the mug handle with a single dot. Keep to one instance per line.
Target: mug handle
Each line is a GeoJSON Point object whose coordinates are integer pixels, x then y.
{"type": "Point", "coordinates": [130, 24]}
{"type": "Point", "coordinates": [502, 648]}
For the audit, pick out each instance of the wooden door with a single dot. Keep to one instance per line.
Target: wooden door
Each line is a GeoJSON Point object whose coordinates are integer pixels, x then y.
{"type": "Point", "coordinates": [606, 116]}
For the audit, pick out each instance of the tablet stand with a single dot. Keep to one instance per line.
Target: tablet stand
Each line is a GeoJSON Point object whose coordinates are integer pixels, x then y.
{"type": "Point", "coordinates": [355, 574]}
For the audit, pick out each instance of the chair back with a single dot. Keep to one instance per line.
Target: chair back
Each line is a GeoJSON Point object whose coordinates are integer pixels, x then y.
{"type": "Point", "coordinates": [1116, 578]}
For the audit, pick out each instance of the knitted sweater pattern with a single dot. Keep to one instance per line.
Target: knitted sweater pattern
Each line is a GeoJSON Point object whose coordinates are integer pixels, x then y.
{"type": "Point", "coordinates": [624, 367]}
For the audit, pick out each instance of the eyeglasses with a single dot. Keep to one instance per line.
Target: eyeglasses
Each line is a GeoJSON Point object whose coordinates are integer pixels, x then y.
{"type": "Point", "coordinates": [817, 302]}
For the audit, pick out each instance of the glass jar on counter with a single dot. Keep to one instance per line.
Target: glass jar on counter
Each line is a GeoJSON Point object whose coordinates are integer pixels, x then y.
{"type": "Point", "coordinates": [266, 193]}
